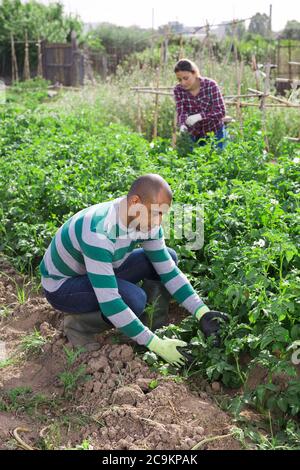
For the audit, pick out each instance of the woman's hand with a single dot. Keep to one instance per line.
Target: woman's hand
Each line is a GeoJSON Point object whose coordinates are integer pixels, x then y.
{"type": "Point", "coordinates": [192, 119]}
{"type": "Point", "coordinates": [183, 128]}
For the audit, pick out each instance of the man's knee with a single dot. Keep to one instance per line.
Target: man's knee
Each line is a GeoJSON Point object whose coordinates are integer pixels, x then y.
{"type": "Point", "coordinates": [137, 302]}
{"type": "Point", "coordinates": [134, 296]}
{"type": "Point", "coordinates": [173, 255]}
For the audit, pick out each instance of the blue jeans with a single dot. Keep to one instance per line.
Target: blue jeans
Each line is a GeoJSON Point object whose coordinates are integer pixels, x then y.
{"type": "Point", "coordinates": [220, 139]}
{"type": "Point", "coordinates": [77, 295]}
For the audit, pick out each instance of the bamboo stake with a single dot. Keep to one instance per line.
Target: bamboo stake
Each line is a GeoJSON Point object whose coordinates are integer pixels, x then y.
{"type": "Point", "coordinates": [153, 91]}
{"type": "Point", "coordinates": [161, 59]}
{"type": "Point", "coordinates": [263, 103]}
{"type": "Point", "coordinates": [142, 89]}
{"type": "Point", "coordinates": [26, 71]}
{"type": "Point", "coordinates": [139, 124]}
{"type": "Point", "coordinates": [210, 52]}
{"type": "Point", "coordinates": [276, 98]}
{"type": "Point", "coordinates": [239, 71]}
{"type": "Point", "coordinates": [174, 135]}
{"type": "Point", "coordinates": [249, 95]}
{"type": "Point", "coordinates": [181, 50]}
{"type": "Point", "coordinates": [238, 75]}
{"type": "Point", "coordinates": [40, 61]}
{"type": "Point", "coordinates": [267, 105]}
{"type": "Point", "coordinates": [151, 88]}
{"type": "Point", "coordinates": [14, 63]}
{"type": "Point", "coordinates": [253, 90]}
{"type": "Point", "coordinates": [156, 103]}
{"type": "Point", "coordinates": [281, 100]}
{"type": "Point", "coordinates": [165, 48]}
{"type": "Point", "coordinates": [255, 70]}
{"type": "Point", "coordinates": [266, 90]}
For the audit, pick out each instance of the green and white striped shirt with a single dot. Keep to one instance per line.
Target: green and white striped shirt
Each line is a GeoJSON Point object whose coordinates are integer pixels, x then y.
{"type": "Point", "coordinates": [94, 242]}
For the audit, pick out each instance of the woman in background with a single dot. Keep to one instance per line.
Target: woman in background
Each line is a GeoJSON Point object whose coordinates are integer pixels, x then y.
{"type": "Point", "coordinates": [199, 104]}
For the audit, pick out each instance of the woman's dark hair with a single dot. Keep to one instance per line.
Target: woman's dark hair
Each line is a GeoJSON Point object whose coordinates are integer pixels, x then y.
{"type": "Point", "coordinates": [186, 65]}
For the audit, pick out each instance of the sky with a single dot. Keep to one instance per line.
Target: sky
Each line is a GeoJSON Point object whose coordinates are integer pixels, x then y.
{"type": "Point", "coordinates": [188, 12]}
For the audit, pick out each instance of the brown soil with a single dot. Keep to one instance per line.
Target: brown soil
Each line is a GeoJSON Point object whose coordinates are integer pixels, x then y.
{"type": "Point", "coordinates": [119, 403]}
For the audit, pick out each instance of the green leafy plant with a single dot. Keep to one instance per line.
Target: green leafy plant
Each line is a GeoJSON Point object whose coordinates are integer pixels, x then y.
{"type": "Point", "coordinates": [72, 375]}
{"type": "Point", "coordinates": [33, 343]}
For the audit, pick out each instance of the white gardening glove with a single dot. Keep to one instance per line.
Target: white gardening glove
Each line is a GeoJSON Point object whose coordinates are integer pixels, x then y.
{"type": "Point", "coordinates": [191, 120]}
{"type": "Point", "coordinates": [183, 128]}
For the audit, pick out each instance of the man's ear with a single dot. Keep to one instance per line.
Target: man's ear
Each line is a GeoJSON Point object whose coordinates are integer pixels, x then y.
{"type": "Point", "coordinates": [135, 199]}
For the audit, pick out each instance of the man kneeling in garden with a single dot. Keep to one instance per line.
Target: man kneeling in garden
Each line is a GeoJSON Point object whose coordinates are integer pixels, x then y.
{"type": "Point", "coordinates": [92, 270]}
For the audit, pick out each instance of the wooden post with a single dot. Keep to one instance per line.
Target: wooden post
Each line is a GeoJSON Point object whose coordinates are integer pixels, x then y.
{"type": "Point", "coordinates": [174, 134]}
{"type": "Point", "coordinates": [156, 104]}
{"type": "Point", "coordinates": [104, 67]}
{"type": "Point", "coordinates": [165, 50]}
{"type": "Point", "coordinates": [235, 51]}
{"type": "Point", "coordinates": [262, 106]}
{"type": "Point", "coordinates": [152, 40]}
{"type": "Point", "coordinates": [255, 70]}
{"type": "Point", "coordinates": [139, 113]}
{"type": "Point", "coordinates": [239, 72]}
{"type": "Point", "coordinates": [161, 58]}
{"type": "Point", "coordinates": [40, 59]}
{"type": "Point", "coordinates": [88, 69]}
{"type": "Point", "coordinates": [26, 71]}
{"type": "Point", "coordinates": [14, 63]}
{"type": "Point", "coordinates": [181, 50]}
{"type": "Point", "coordinates": [210, 52]}
{"type": "Point", "coordinates": [238, 69]}
{"type": "Point", "coordinates": [289, 61]}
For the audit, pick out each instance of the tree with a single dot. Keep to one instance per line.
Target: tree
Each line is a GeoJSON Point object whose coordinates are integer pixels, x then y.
{"type": "Point", "coordinates": [173, 26]}
{"type": "Point", "coordinates": [291, 30]}
{"type": "Point", "coordinates": [118, 40]}
{"type": "Point", "coordinates": [260, 24]}
{"type": "Point", "coordinates": [236, 29]}
{"type": "Point", "coordinates": [47, 22]}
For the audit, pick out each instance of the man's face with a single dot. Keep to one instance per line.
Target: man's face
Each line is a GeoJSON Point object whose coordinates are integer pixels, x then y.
{"type": "Point", "coordinates": [148, 216]}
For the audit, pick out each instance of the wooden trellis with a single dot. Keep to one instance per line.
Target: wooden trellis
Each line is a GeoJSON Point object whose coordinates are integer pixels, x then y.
{"type": "Point", "coordinates": [26, 69]}
{"type": "Point", "coordinates": [265, 100]}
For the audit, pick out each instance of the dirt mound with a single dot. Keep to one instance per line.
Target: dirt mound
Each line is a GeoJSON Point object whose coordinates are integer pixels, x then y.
{"type": "Point", "coordinates": [109, 398]}
{"type": "Point", "coordinates": [140, 409]}
{"type": "Point", "coordinates": [9, 280]}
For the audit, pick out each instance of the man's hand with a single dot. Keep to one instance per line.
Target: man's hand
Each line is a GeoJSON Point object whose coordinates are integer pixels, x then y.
{"type": "Point", "coordinates": [167, 349]}
{"type": "Point", "coordinates": [191, 120]}
{"type": "Point", "coordinates": [210, 322]}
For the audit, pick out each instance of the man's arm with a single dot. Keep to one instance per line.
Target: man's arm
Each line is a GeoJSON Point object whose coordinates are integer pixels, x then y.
{"type": "Point", "coordinates": [171, 276]}
{"type": "Point", "coordinates": [180, 288]}
{"type": "Point", "coordinates": [111, 304]}
{"type": "Point", "coordinates": [101, 275]}
{"type": "Point", "coordinates": [98, 250]}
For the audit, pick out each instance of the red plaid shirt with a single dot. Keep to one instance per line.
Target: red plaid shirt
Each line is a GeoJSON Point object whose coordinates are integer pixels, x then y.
{"type": "Point", "coordinates": [209, 103]}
